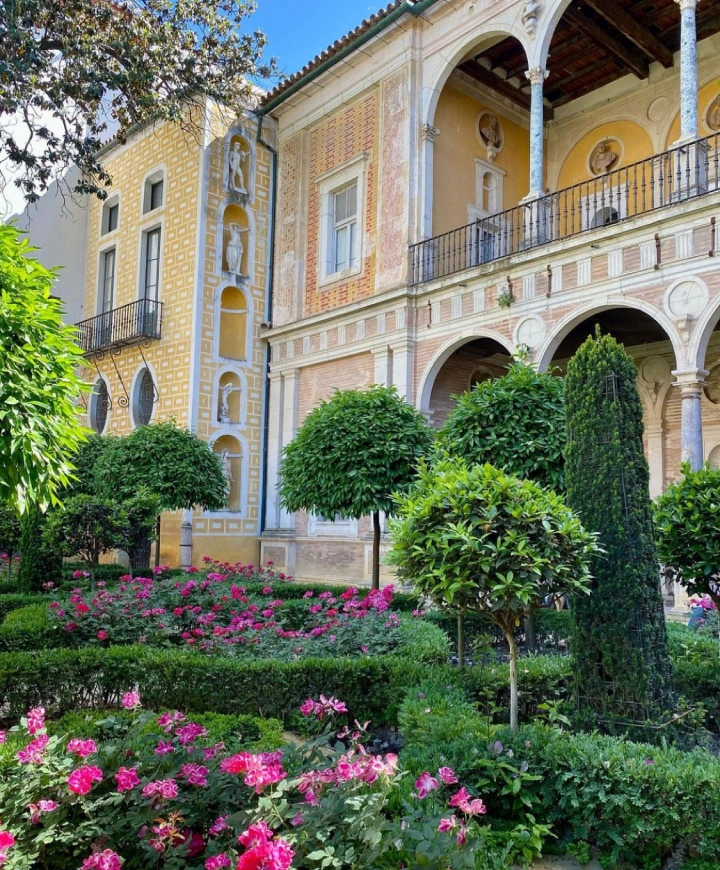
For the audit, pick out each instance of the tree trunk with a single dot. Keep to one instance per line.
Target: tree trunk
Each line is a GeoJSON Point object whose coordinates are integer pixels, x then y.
{"type": "Point", "coordinates": [157, 542]}
{"type": "Point", "coordinates": [376, 551]}
{"type": "Point", "coordinates": [530, 634]}
{"type": "Point", "coordinates": [513, 679]}
{"type": "Point", "coordinates": [461, 640]}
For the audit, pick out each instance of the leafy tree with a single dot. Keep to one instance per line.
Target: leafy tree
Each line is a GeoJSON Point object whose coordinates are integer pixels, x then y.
{"type": "Point", "coordinates": [39, 562]}
{"type": "Point", "coordinates": [9, 535]}
{"type": "Point", "coordinates": [70, 66]}
{"type": "Point", "coordinates": [473, 538]}
{"type": "Point", "coordinates": [351, 454]}
{"type": "Point", "coordinates": [86, 527]}
{"type": "Point", "coordinates": [168, 461]}
{"type": "Point", "coordinates": [39, 423]}
{"type": "Point", "coordinates": [516, 422]}
{"type": "Point", "coordinates": [142, 511]}
{"type": "Point", "coordinates": [621, 650]}
{"type": "Point", "coordinates": [687, 530]}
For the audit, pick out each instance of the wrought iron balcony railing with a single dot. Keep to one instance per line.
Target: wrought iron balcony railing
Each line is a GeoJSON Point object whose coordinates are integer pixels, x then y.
{"type": "Point", "coordinates": [128, 324]}
{"type": "Point", "coordinates": [674, 176]}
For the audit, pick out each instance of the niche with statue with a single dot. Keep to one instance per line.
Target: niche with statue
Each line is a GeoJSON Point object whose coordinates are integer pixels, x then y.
{"type": "Point", "coordinates": [229, 408]}
{"type": "Point", "coordinates": [239, 165]}
{"type": "Point", "coordinates": [230, 452]}
{"type": "Point", "coordinates": [236, 243]}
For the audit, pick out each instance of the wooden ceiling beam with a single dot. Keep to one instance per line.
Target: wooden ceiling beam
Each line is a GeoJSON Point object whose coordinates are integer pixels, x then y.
{"type": "Point", "coordinates": [500, 86]}
{"type": "Point", "coordinates": [624, 56]}
{"type": "Point", "coordinates": [631, 30]}
{"type": "Point", "coordinates": [570, 77]}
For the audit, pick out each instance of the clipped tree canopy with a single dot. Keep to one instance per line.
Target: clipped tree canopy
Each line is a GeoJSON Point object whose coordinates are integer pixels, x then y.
{"type": "Point", "coordinates": [352, 452]}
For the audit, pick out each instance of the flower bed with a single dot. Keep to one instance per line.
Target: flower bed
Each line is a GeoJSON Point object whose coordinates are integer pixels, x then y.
{"type": "Point", "coordinates": [182, 800]}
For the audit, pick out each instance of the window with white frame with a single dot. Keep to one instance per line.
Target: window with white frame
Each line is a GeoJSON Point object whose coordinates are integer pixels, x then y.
{"type": "Point", "coordinates": [341, 219]}
{"type": "Point", "coordinates": [150, 277]}
{"type": "Point", "coordinates": [107, 281]}
{"type": "Point", "coordinates": [154, 191]}
{"type": "Point", "coordinates": [110, 219]}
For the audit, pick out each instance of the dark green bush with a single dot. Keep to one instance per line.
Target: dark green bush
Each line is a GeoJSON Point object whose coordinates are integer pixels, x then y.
{"type": "Point", "coordinates": [16, 600]}
{"type": "Point", "coordinates": [39, 563]}
{"type": "Point", "coordinates": [31, 628]}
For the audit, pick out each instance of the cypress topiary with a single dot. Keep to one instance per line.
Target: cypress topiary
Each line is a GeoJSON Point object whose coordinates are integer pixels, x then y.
{"type": "Point", "coordinates": [621, 650]}
{"type": "Point", "coordinates": [39, 563]}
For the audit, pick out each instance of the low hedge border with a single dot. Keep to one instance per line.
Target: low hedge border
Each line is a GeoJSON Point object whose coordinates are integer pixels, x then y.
{"type": "Point", "coordinates": [629, 801]}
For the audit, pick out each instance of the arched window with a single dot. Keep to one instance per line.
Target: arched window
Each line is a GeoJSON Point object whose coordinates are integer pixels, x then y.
{"type": "Point", "coordinates": [144, 398]}
{"type": "Point", "coordinates": [99, 406]}
{"type": "Point", "coordinates": [233, 324]}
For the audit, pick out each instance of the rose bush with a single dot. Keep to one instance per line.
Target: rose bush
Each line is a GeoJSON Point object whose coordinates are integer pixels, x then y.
{"type": "Point", "coordinates": [136, 801]}
{"type": "Point", "coordinates": [213, 614]}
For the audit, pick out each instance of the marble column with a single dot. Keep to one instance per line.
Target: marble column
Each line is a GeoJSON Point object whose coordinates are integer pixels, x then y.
{"type": "Point", "coordinates": [537, 78]}
{"type": "Point", "coordinates": [185, 551]}
{"type": "Point", "coordinates": [688, 71]}
{"type": "Point", "coordinates": [691, 383]}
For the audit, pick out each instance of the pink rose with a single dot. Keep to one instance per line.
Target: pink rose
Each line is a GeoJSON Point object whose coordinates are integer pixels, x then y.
{"type": "Point", "coordinates": [35, 720]}
{"type": "Point", "coordinates": [447, 775]}
{"type": "Point", "coordinates": [131, 700]}
{"type": "Point", "coordinates": [127, 779]}
{"type": "Point", "coordinates": [82, 748]}
{"type": "Point", "coordinates": [81, 780]}
{"type": "Point", "coordinates": [217, 861]}
{"type": "Point", "coordinates": [106, 860]}
{"type": "Point", "coordinates": [425, 784]}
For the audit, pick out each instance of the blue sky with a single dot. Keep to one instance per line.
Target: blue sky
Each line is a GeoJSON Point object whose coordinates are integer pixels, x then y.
{"type": "Point", "coordinates": [298, 31]}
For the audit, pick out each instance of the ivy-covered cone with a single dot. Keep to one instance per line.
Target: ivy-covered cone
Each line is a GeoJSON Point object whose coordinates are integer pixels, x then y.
{"type": "Point", "coordinates": [351, 454]}
{"type": "Point", "coordinates": [473, 538]}
{"type": "Point", "coordinates": [621, 647]}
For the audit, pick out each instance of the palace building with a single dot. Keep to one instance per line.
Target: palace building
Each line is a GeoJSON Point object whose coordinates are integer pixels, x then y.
{"type": "Point", "coordinates": [446, 184]}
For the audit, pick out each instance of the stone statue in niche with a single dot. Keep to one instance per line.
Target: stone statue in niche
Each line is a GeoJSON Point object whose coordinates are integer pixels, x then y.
{"type": "Point", "coordinates": [227, 470]}
{"type": "Point", "coordinates": [603, 158]}
{"type": "Point", "coordinates": [235, 248]}
{"type": "Point", "coordinates": [530, 14]}
{"type": "Point", "coordinates": [491, 134]}
{"type": "Point", "coordinates": [225, 391]}
{"type": "Point", "coordinates": [237, 177]}
{"type": "Point", "coordinates": [712, 119]}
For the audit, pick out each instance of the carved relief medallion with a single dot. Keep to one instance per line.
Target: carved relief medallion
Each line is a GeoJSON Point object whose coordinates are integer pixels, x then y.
{"type": "Point", "coordinates": [604, 156]}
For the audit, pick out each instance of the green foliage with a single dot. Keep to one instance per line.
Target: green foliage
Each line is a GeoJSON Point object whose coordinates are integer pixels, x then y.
{"type": "Point", "coordinates": [87, 527]}
{"type": "Point", "coordinates": [40, 562]}
{"type": "Point", "coordinates": [516, 422]}
{"type": "Point", "coordinates": [14, 601]}
{"type": "Point", "coordinates": [30, 628]}
{"type": "Point", "coordinates": [9, 536]}
{"type": "Point", "coordinates": [623, 665]}
{"type": "Point", "coordinates": [145, 64]}
{"type": "Point", "coordinates": [170, 462]}
{"type": "Point", "coordinates": [352, 452]}
{"type": "Point", "coordinates": [687, 530]}
{"type": "Point", "coordinates": [477, 539]}
{"type": "Point", "coordinates": [85, 462]}
{"type": "Point", "coordinates": [39, 422]}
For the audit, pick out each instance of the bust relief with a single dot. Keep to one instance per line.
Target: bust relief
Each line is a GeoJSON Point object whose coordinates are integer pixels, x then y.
{"type": "Point", "coordinates": [491, 134]}
{"type": "Point", "coordinates": [603, 157]}
{"type": "Point", "coordinates": [712, 118]}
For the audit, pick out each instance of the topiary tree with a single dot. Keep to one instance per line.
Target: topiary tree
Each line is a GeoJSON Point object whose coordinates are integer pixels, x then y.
{"type": "Point", "coordinates": [475, 538]}
{"type": "Point", "coordinates": [39, 422]}
{"type": "Point", "coordinates": [687, 530]}
{"type": "Point", "coordinates": [349, 456]}
{"type": "Point", "coordinates": [9, 535]}
{"type": "Point", "coordinates": [621, 650]}
{"type": "Point", "coordinates": [516, 422]}
{"type": "Point", "coordinates": [168, 461]}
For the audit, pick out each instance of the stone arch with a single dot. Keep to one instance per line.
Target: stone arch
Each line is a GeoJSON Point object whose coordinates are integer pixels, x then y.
{"type": "Point", "coordinates": [429, 377]}
{"type": "Point", "coordinates": [554, 339]}
{"type": "Point", "coordinates": [236, 460]}
{"type": "Point", "coordinates": [237, 398]}
{"type": "Point", "coordinates": [706, 324]}
{"type": "Point", "coordinates": [551, 15]}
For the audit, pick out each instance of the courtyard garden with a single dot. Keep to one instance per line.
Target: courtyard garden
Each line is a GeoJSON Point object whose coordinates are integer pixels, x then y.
{"type": "Point", "coordinates": [227, 715]}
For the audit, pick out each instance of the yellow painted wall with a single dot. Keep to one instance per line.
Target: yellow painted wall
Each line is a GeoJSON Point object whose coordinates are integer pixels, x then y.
{"type": "Point", "coordinates": [455, 152]}
{"type": "Point", "coordinates": [636, 146]}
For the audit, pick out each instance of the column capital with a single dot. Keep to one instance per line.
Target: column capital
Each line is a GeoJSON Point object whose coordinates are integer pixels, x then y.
{"type": "Point", "coordinates": [687, 4]}
{"type": "Point", "coordinates": [537, 75]}
{"type": "Point", "coordinates": [690, 381]}
{"type": "Point", "coordinates": [429, 133]}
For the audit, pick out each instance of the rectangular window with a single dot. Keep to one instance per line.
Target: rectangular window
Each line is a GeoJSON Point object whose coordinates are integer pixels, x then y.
{"type": "Point", "coordinates": [344, 229]}
{"type": "Point", "coordinates": [107, 280]}
{"type": "Point", "coordinates": [156, 194]}
{"type": "Point", "coordinates": [151, 278]}
{"type": "Point", "coordinates": [113, 218]}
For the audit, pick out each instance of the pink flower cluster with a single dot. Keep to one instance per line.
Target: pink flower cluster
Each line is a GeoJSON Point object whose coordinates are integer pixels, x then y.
{"type": "Point", "coordinates": [81, 780]}
{"type": "Point", "coordinates": [34, 752]}
{"type": "Point", "coordinates": [161, 789]}
{"type": "Point", "coordinates": [261, 769]}
{"type": "Point", "coordinates": [106, 860]}
{"type": "Point", "coordinates": [321, 708]}
{"type": "Point", "coordinates": [127, 779]}
{"type": "Point", "coordinates": [264, 850]}
{"type": "Point", "coordinates": [82, 748]}
{"type": "Point", "coordinates": [7, 841]}
{"type": "Point", "coordinates": [356, 765]}
{"type": "Point", "coordinates": [36, 810]}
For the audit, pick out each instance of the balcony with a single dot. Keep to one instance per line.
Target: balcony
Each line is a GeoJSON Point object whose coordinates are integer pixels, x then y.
{"type": "Point", "coordinates": [666, 179]}
{"type": "Point", "coordinates": [130, 324]}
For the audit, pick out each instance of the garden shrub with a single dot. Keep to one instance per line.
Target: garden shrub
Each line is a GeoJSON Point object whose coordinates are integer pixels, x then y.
{"type": "Point", "coordinates": [40, 564]}
{"type": "Point", "coordinates": [16, 600]}
{"type": "Point", "coordinates": [631, 801]}
{"type": "Point", "coordinates": [31, 628]}
{"type": "Point", "coordinates": [623, 666]}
